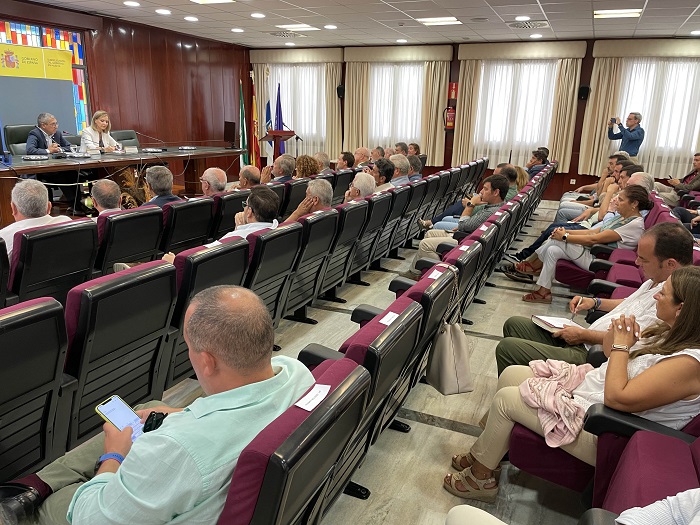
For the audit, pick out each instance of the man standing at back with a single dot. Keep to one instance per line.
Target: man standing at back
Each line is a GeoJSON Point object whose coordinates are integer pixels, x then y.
{"type": "Point", "coordinates": [180, 472]}
{"type": "Point", "coordinates": [30, 206]}
{"type": "Point", "coordinates": [632, 136]}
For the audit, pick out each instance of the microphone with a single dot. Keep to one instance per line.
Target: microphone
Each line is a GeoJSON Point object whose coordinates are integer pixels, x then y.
{"type": "Point", "coordinates": [297, 137]}
{"type": "Point", "coordinates": [149, 137]}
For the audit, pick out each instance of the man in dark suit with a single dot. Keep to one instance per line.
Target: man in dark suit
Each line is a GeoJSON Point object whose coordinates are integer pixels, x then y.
{"type": "Point", "coordinates": [45, 139]}
{"type": "Point", "coordinates": [160, 180]}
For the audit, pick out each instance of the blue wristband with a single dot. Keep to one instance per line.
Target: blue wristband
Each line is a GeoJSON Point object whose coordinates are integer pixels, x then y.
{"type": "Point", "coordinates": [112, 455]}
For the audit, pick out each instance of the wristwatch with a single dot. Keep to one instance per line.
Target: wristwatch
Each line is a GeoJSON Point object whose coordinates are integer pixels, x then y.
{"type": "Point", "coordinates": [564, 237]}
{"type": "Point", "coordinates": [470, 205]}
{"type": "Point", "coordinates": [104, 457]}
{"type": "Point", "coordinates": [623, 348]}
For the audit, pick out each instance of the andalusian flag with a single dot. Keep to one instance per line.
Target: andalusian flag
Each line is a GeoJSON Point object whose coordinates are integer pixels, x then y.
{"type": "Point", "coordinates": [244, 135]}
{"type": "Point", "coordinates": [255, 159]}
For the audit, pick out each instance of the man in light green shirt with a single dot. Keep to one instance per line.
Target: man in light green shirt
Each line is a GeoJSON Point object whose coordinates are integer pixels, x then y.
{"type": "Point", "coordinates": [180, 473]}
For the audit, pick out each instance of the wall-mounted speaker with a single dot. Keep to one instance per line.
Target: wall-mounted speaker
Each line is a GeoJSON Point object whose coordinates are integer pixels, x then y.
{"type": "Point", "coordinates": [340, 90]}
{"type": "Point", "coordinates": [583, 92]}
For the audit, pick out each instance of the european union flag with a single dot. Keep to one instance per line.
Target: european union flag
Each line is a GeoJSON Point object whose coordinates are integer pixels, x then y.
{"type": "Point", "coordinates": [279, 121]}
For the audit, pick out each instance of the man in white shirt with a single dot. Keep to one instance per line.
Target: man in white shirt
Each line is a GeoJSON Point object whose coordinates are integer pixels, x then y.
{"type": "Point", "coordinates": [661, 250]}
{"type": "Point", "coordinates": [259, 212]}
{"type": "Point", "coordinates": [106, 196]}
{"type": "Point", "coordinates": [30, 208]}
{"type": "Point", "coordinates": [382, 171]}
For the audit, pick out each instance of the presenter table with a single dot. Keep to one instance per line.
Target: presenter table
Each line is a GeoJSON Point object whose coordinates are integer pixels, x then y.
{"type": "Point", "coordinates": [195, 164]}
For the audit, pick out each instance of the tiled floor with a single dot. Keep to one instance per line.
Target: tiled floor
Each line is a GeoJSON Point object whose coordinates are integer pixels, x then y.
{"type": "Point", "coordinates": [405, 471]}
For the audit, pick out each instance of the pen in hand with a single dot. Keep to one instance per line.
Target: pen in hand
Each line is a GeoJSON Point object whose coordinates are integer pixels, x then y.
{"type": "Point", "coordinates": [576, 309]}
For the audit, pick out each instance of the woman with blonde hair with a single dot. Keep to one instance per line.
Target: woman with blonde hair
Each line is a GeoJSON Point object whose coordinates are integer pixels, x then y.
{"type": "Point", "coordinates": [97, 136]}
{"type": "Point", "coordinates": [523, 177]}
{"type": "Point", "coordinates": [306, 167]}
{"type": "Point", "coordinates": [655, 374]}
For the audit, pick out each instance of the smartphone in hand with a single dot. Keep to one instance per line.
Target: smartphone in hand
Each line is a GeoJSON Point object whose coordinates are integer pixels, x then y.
{"type": "Point", "coordinates": [116, 411]}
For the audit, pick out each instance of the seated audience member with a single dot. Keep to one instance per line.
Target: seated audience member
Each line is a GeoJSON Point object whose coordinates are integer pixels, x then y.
{"type": "Point", "coordinates": [415, 165]}
{"type": "Point", "coordinates": [456, 209]}
{"type": "Point", "coordinates": [106, 196]}
{"type": "Point", "coordinates": [181, 471]}
{"type": "Point", "coordinates": [363, 185]}
{"type": "Point", "coordinates": [306, 167]}
{"type": "Point", "coordinates": [383, 171]}
{"type": "Point", "coordinates": [401, 167]}
{"type": "Point", "coordinates": [536, 163]}
{"type": "Point", "coordinates": [689, 218]}
{"type": "Point", "coordinates": [324, 162]}
{"type": "Point", "coordinates": [591, 190]}
{"type": "Point", "coordinates": [376, 154]}
{"type": "Point", "coordinates": [160, 183]}
{"type": "Point", "coordinates": [413, 149]}
{"type": "Point", "coordinates": [281, 170]}
{"type": "Point", "coordinates": [654, 373]}
{"type": "Point", "coordinates": [586, 220]}
{"type": "Point", "coordinates": [361, 157]}
{"type": "Point", "coordinates": [345, 161]}
{"type": "Point", "coordinates": [691, 182]}
{"type": "Point", "coordinates": [29, 202]}
{"type": "Point", "coordinates": [319, 195]}
{"type": "Point", "coordinates": [213, 181]}
{"type": "Point", "coordinates": [388, 152]}
{"type": "Point", "coordinates": [522, 179]}
{"type": "Point", "coordinates": [574, 245]}
{"type": "Point", "coordinates": [46, 139]}
{"type": "Point", "coordinates": [491, 195]}
{"type": "Point", "coordinates": [401, 148]}
{"type": "Point", "coordinates": [259, 212]}
{"type": "Point", "coordinates": [248, 177]}
{"type": "Point", "coordinates": [662, 249]}
{"type": "Point", "coordinates": [96, 136]}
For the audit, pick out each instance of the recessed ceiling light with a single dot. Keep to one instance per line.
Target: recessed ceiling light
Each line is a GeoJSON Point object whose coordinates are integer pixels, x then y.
{"type": "Point", "coordinates": [163, 11]}
{"type": "Point", "coordinates": [298, 27]}
{"type": "Point", "coordinates": [536, 35]}
{"type": "Point", "coordinates": [439, 21]}
{"type": "Point", "coordinates": [192, 19]}
{"type": "Point", "coordinates": [257, 15]}
{"type": "Point", "coordinates": [237, 30]}
{"type": "Point", "coordinates": [617, 13]}
{"type": "Point", "coordinates": [131, 3]}
{"type": "Point", "coordinates": [522, 18]}
{"type": "Point", "coordinates": [695, 32]}
{"type": "Point", "coordinates": [213, 1]}
{"type": "Point", "coordinates": [330, 26]}
{"type": "Point", "coordinates": [401, 41]}
{"type": "Point", "coordinates": [290, 44]}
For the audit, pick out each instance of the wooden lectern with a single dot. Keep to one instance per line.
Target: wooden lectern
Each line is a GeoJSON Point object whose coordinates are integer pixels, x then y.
{"type": "Point", "coordinates": [277, 136]}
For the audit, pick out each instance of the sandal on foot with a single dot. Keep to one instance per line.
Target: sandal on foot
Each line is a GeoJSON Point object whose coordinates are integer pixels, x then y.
{"type": "Point", "coordinates": [457, 464]}
{"type": "Point", "coordinates": [527, 268]}
{"type": "Point", "coordinates": [514, 275]}
{"type": "Point", "coordinates": [537, 297]}
{"type": "Point", "coordinates": [424, 225]}
{"type": "Point", "coordinates": [478, 494]}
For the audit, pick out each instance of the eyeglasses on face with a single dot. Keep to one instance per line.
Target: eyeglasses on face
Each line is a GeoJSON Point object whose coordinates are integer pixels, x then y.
{"type": "Point", "coordinates": [245, 204]}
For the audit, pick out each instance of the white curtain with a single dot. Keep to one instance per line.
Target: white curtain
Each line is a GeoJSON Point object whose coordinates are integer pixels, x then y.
{"type": "Point", "coordinates": [303, 94]}
{"type": "Point", "coordinates": [514, 111]}
{"type": "Point", "coordinates": [395, 103]}
{"type": "Point", "coordinates": [665, 91]}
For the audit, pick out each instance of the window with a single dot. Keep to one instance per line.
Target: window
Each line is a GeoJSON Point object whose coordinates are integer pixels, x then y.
{"type": "Point", "coordinates": [395, 103]}
{"type": "Point", "coordinates": [303, 94]}
{"type": "Point", "coordinates": [664, 91]}
{"type": "Point", "coordinates": [36, 36]}
{"type": "Point", "coordinates": [514, 108]}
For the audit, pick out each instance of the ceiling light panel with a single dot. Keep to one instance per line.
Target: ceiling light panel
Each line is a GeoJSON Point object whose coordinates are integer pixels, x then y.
{"type": "Point", "coordinates": [204, 2]}
{"type": "Point", "coordinates": [298, 27]}
{"type": "Point", "coordinates": [617, 13]}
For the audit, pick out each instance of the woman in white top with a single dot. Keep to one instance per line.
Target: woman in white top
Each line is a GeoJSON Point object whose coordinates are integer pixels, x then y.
{"type": "Point", "coordinates": [623, 231]}
{"type": "Point", "coordinates": [97, 135]}
{"type": "Point", "coordinates": [657, 377]}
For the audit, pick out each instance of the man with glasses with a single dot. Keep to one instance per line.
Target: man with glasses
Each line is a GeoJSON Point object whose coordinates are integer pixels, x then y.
{"type": "Point", "coordinates": [363, 185]}
{"type": "Point", "coordinates": [382, 171]}
{"type": "Point", "coordinates": [45, 139]}
{"type": "Point", "coordinates": [259, 212]}
{"type": "Point", "coordinates": [213, 181]}
{"type": "Point", "coordinates": [632, 136]}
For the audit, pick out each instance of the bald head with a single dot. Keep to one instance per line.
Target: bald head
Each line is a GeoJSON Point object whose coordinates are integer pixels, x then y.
{"type": "Point", "coordinates": [213, 181]}
{"type": "Point", "coordinates": [361, 155]}
{"type": "Point", "coordinates": [249, 177]}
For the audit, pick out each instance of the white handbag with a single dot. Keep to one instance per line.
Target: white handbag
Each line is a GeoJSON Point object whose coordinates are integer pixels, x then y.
{"type": "Point", "coordinates": [449, 370]}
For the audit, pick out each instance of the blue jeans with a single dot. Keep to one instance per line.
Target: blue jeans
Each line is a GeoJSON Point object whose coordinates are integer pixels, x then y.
{"type": "Point", "coordinates": [448, 223]}
{"type": "Point", "coordinates": [526, 252]}
{"type": "Point", "coordinates": [454, 209]}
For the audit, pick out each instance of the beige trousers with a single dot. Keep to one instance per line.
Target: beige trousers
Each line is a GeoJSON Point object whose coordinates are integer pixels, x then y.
{"type": "Point", "coordinates": [427, 249]}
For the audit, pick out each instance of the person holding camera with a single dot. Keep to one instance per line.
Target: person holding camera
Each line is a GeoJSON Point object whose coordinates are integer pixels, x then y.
{"type": "Point", "coordinates": [632, 136]}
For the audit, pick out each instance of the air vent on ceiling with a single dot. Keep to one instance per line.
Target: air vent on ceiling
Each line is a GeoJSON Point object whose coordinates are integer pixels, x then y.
{"type": "Point", "coordinates": [286, 34]}
{"type": "Point", "coordinates": [532, 24]}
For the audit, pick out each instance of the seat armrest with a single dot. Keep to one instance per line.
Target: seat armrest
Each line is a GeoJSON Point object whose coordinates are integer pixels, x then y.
{"type": "Point", "coordinates": [400, 284]}
{"type": "Point", "coordinates": [313, 355]}
{"type": "Point", "coordinates": [600, 264]}
{"type": "Point", "coordinates": [11, 299]}
{"type": "Point", "coordinates": [693, 205]}
{"type": "Point", "coordinates": [458, 235]}
{"type": "Point", "coordinates": [364, 313]}
{"type": "Point", "coordinates": [600, 286]}
{"type": "Point", "coordinates": [61, 425]}
{"type": "Point", "coordinates": [686, 197]}
{"type": "Point", "coordinates": [600, 419]}
{"type": "Point", "coordinates": [682, 193]}
{"type": "Point", "coordinates": [596, 357]}
{"type": "Point", "coordinates": [597, 517]}
{"type": "Point", "coordinates": [424, 264]}
{"type": "Point", "coordinates": [444, 247]}
{"type": "Point", "coordinates": [601, 251]}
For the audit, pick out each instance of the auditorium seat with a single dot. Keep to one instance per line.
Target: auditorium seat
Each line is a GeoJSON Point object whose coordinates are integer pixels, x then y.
{"type": "Point", "coordinates": [318, 233]}
{"type": "Point", "coordinates": [436, 206]}
{"type": "Point", "coordinates": [197, 269]}
{"type": "Point", "coordinates": [451, 191]}
{"type": "Point", "coordinates": [33, 347]}
{"type": "Point", "coordinates": [47, 261]}
{"type": "Point", "coordinates": [280, 190]}
{"type": "Point", "coordinates": [126, 137]}
{"type": "Point", "coordinates": [341, 184]}
{"type": "Point", "coordinates": [351, 222]}
{"type": "Point", "coordinates": [295, 192]}
{"type": "Point", "coordinates": [432, 184]}
{"type": "Point", "coordinates": [117, 327]}
{"type": "Point", "coordinates": [4, 271]}
{"type": "Point", "coordinates": [128, 236]}
{"type": "Point", "coordinates": [325, 176]}
{"type": "Point", "coordinates": [16, 138]}
{"type": "Point", "coordinates": [399, 201]}
{"type": "Point", "coordinates": [283, 474]}
{"type": "Point", "coordinates": [408, 219]}
{"type": "Point", "coordinates": [186, 224]}
{"type": "Point", "coordinates": [379, 206]}
{"type": "Point", "coordinates": [273, 254]}
{"type": "Point", "coordinates": [226, 206]}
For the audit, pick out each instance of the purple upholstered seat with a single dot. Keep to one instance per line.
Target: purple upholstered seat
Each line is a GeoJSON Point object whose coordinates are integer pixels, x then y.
{"type": "Point", "coordinates": [626, 275]}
